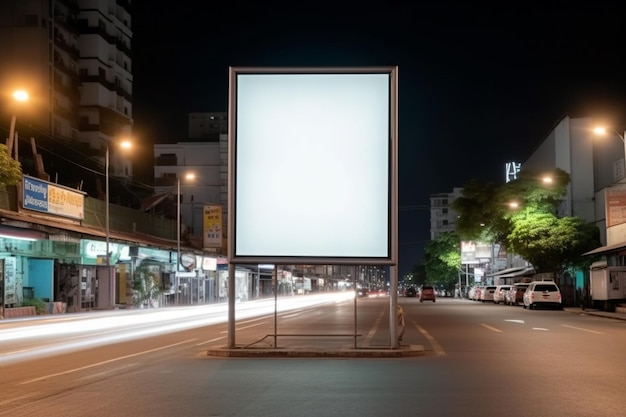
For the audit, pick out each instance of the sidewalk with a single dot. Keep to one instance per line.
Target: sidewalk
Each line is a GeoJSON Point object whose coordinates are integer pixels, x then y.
{"type": "Point", "coordinates": [598, 313]}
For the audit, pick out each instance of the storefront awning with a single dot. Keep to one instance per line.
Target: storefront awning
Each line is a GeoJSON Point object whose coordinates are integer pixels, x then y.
{"type": "Point", "coordinates": [505, 271]}
{"type": "Point", "coordinates": [606, 249]}
{"type": "Point", "coordinates": [22, 221]}
{"type": "Point", "coordinates": [520, 273]}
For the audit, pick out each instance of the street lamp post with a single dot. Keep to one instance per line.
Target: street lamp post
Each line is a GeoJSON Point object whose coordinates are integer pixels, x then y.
{"type": "Point", "coordinates": [107, 216]}
{"type": "Point", "coordinates": [178, 226]}
{"type": "Point", "coordinates": [106, 212]}
{"type": "Point", "coordinates": [19, 96]}
{"type": "Point", "coordinates": [189, 176]}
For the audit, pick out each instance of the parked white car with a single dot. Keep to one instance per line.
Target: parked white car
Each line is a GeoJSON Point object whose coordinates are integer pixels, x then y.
{"type": "Point", "coordinates": [486, 294]}
{"type": "Point", "coordinates": [544, 294]}
{"type": "Point", "coordinates": [499, 295]}
{"type": "Point", "coordinates": [515, 296]}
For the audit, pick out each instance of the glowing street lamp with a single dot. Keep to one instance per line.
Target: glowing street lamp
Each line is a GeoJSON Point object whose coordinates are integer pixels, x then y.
{"type": "Point", "coordinates": [600, 130]}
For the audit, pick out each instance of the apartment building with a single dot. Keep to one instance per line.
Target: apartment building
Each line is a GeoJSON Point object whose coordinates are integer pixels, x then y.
{"type": "Point", "coordinates": [208, 162]}
{"type": "Point", "coordinates": [73, 58]}
{"type": "Point", "coordinates": [442, 216]}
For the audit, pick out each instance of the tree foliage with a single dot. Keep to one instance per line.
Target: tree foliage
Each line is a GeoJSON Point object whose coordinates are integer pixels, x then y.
{"type": "Point", "coordinates": [442, 260]}
{"type": "Point", "coordinates": [532, 229]}
{"type": "Point", "coordinates": [10, 169]}
{"type": "Point", "coordinates": [549, 243]}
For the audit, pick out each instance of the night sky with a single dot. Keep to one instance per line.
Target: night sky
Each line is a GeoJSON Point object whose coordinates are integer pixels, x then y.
{"type": "Point", "coordinates": [479, 86]}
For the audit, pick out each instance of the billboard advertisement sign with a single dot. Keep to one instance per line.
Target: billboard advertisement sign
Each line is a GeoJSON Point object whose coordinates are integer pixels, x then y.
{"type": "Point", "coordinates": [314, 157]}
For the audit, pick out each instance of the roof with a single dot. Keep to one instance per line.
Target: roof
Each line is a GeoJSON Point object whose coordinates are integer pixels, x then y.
{"type": "Point", "coordinates": [153, 201]}
{"type": "Point", "coordinates": [513, 272]}
{"type": "Point", "coordinates": [505, 271]}
{"type": "Point", "coordinates": [606, 249]}
{"type": "Point", "coordinates": [16, 219]}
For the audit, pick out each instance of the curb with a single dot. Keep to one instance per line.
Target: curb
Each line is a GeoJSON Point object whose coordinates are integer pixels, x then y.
{"type": "Point", "coordinates": [403, 352]}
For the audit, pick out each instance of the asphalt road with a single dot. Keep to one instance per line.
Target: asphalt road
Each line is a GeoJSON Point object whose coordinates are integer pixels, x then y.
{"type": "Point", "coordinates": [479, 360]}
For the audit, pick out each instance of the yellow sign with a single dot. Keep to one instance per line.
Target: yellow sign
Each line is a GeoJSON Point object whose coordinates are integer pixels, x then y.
{"type": "Point", "coordinates": [212, 226]}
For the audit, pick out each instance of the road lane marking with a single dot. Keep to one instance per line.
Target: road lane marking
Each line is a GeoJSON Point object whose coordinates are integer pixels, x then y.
{"type": "Point", "coordinates": [15, 399]}
{"type": "Point", "coordinates": [244, 327]}
{"type": "Point", "coordinates": [493, 329]}
{"type": "Point", "coordinates": [291, 315]}
{"type": "Point", "coordinates": [211, 341]}
{"type": "Point", "coordinates": [372, 332]}
{"type": "Point", "coordinates": [543, 329]}
{"type": "Point", "coordinates": [515, 321]}
{"type": "Point", "coordinates": [581, 329]}
{"type": "Point", "coordinates": [433, 342]}
{"type": "Point", "coordinates": [93, 365]}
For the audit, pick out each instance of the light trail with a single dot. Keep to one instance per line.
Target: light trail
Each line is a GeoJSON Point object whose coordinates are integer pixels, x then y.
{"type": "Point", "coordinates": [51, 336]}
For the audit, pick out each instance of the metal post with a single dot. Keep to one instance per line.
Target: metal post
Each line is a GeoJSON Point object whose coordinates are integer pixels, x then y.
{"type": "Point", "coordinates": [623, 138]}
{"type": "Point", "coordinates": [106, 220]}
{"type": "Point", "coordinates": [231, 305]}
{"type": "Point", "coordinates": [393, 306]}
{"type": "Point", "coordinates": [11, 136]}
{"type": "Point", "coordinates": [177, 225]}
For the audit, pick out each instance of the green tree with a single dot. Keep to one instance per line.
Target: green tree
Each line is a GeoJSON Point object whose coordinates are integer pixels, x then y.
{"type": "Point", "coordinates": [533, 229]}
{"type": "Point", "coordinates": [442, 260]}
{"type": "Point", "coordinates": [10, 169]}
{"type": "Point", "coordinates": [552, 244]}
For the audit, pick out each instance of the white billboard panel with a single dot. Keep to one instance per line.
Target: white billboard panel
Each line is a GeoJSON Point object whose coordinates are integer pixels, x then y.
{"type": "Point", "coordinates": [313, 165]}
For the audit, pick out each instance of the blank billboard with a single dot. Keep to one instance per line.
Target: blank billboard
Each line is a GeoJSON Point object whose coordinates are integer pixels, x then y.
{"type": "Point", "coordinates": [312, 165]}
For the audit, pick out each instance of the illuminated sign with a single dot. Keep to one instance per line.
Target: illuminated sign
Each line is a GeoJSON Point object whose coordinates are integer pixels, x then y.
{"type": "Point", "coordinates": [50, 198]}
{"type": "Point", "coordinates": [212, 226]}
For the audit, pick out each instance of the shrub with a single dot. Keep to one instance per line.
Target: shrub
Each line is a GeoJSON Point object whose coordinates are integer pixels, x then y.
{"type": "Point", "coordinates": [38, 303]}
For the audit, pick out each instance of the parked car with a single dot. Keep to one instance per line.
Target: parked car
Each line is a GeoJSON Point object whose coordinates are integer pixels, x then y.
{"type": "Point", "coordinates": [427, 293]}
{"type": "Point", "coordinates": [411, 292]}
{"type": "Point", "coordinates": [515, 296]}
{"type": "Point", "coordinates": [542, 294]}
{"type": "Point", "coordinates": [474, 293]}
{"type": "Point", "coordinates": [486, 294]}
{"type": "Point", "coordinates": [500, 293]}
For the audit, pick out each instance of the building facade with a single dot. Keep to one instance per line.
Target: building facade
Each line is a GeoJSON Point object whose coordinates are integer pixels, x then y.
{"type": "Point", "coordinates": [73, 58]}
{"type": "Point", "coordinates": [442, 216]}
{"type": "Point", "coordinates": [208, 162]}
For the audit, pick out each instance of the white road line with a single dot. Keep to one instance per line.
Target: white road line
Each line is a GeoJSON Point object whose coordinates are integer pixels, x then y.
{"type": "Point", "coordinates": [540, 328]}
{"type": "Point", "coordinates": [14, 399]}
{"type": "Point", "coordinates": [581, 329]}
{"type": "Point", "coordinates": [93, 365]}
{"type": "Point", "coordinates": [433, 342]}
{"type": "Point", "coordinates": [291, 315]}
{"type": "Point", "coordinates": [493, 329]}
{"type": "Point", "coordinates": [243, 327]}
{"type": "Point", "coordinates": [211, 341]}
{"type": "Point", "coordinates": [372, 332]}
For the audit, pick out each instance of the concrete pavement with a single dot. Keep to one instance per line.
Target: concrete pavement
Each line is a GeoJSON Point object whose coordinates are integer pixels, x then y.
{"type": "Point", "coordinates": [324, 348]}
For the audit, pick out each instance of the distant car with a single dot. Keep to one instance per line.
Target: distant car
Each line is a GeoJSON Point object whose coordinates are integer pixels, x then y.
{"type": "Point", "coordinates": [486, 294]}
{"type": "Point", "coordinates": [499, 295]}
{"type": "Point", "coordinates": [427, 293]}
{"type": "Point", "coordinates": [542, 294]}
{"type": "Point", "coordinates": [515, 296]}
{"type": "Point", "coordinates": [411, 292]}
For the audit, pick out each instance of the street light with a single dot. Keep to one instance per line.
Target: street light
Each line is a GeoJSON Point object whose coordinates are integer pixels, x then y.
{"type": "Point", "coordinates": [600, 130]}
{"type": "Point", "coordinates": [125, 145]}
{"type": "Point", "coordinates": [19, 96]}
{"type": "Point", "coordinates": [189, 176]}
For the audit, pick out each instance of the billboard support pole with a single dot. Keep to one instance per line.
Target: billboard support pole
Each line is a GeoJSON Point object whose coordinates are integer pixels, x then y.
{"type": "Point", "coordinates": [231, 305]}
{"type": "Point", "coordinates": [393, 306]}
